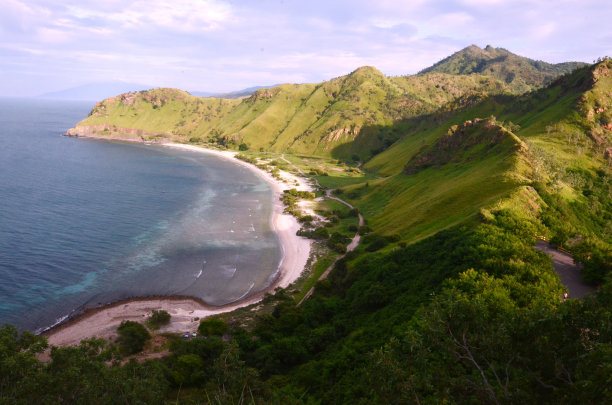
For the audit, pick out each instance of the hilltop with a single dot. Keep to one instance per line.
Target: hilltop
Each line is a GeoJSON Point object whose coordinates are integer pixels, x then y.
{"type": "Point", "coordinates": [565, 136]}
{"type": "Point", "coordinates": [518, 72]}
{"type": "Point", "coordinates": [346, 117]}
{"type": "Point", "coordinates": [309, 118]}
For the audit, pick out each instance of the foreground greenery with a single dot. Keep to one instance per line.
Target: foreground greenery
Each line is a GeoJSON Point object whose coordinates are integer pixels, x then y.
{"type": "Point", "coordinates": [444, 301]}
{"type": "Point", "coordinates": [466, 315]}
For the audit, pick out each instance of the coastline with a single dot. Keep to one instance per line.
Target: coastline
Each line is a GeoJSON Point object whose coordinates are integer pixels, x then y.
{"type": "Point", "coordinates": [186, 312]}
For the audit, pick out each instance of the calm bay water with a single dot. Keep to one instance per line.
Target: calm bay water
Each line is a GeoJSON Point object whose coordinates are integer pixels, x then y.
{"type": "Point", "coordinates": [86, 222]}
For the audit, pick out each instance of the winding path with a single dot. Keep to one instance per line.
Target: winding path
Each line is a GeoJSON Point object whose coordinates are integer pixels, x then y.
{"type": "Point", "coordinates": [350, 247]}
{"type": "Point", "coordinates": [569, 272]}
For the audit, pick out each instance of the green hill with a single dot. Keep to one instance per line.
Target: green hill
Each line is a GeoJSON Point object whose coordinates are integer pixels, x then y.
{"type": "Point", "coordinates": [445, 300]}
{"type": "Point", "coordinates": [315, 119]}
{"type": "Point", "coordinates": [519, 73]}
{"type": "Point", "coordinates": [471, 166]}
{"type": "Point", "coordinates": [350, 117]}
{"type": "Point", "coordinates": [457, 166]}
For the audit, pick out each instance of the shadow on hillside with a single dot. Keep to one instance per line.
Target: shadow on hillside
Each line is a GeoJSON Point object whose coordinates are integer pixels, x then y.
{"type": "Point", "coordinates": [375, 139]}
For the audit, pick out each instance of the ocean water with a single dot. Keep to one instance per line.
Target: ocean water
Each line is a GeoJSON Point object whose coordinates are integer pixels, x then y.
{"type": "Point", "coordinates": [86, 222]}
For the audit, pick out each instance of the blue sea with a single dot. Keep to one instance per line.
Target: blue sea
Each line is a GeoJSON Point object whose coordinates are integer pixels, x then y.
{"type": "Point", "coordinates": [87, 222]}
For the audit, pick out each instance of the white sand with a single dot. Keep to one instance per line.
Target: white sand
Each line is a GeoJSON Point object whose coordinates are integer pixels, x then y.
{"type": "Point", "coordinates": [103, 322]}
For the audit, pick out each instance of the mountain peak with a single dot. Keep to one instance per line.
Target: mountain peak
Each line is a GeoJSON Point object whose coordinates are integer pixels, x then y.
{"type": "Point", "coordinates": [366, 71]}
{"type": "Point", "coordinates": [520, 73]}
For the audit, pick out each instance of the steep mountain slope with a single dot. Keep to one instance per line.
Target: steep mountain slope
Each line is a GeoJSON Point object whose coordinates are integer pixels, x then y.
{"type": "Point", "coordinates": [520, 73]}
{"type": "Point", "coordinates": [315, 119]}
{"type": "Point", "coordinates": [354, 117]}
{"type": "Point", "coordinates": [470, 167]}
{"type": "Point", "coordinates": [563, 164]}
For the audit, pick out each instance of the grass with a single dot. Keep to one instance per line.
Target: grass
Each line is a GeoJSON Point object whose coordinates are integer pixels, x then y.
{"type": "Point", "coordinates": [520, 73]}
{"type": "Point", "coordinates": [474, 176]}
{"type": "Point", "coordinates": [325, 128]}
{"type": "Point", "coordinates": [322, 263]}
{"type": "Point", "coordinates": [420, 205]}
{"type": "Point", "coordinates": [311, 119]}
{"type": "Point", "coordinates": [336, 174]}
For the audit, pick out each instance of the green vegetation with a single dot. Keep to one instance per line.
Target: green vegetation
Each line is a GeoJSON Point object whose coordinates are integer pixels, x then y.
{"type": "Point", "coordinates": [132, 337]}
{"type": "Point", "coordinates": [158, 319]}
{"type": "Point", "coordinates": [520, 73]}
{"type": "Point", "coordinates": [445, 300]}
{"type": "Point", "coordinates": [212, 327]}
{"type": "Point", "coordinates": [315, 119]}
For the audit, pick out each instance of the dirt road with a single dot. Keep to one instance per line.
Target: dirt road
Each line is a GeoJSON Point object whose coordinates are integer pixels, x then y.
{"type": "Point", "coordinates": [569, 272]}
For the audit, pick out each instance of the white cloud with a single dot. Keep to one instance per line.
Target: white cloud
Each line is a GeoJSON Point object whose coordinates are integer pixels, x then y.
{"type": "Point", "coordinates": [485, 3]}
{"type": "Point", "coordinates": [224, 44]}
{"type": "Point", "coordinates": [178, 15]}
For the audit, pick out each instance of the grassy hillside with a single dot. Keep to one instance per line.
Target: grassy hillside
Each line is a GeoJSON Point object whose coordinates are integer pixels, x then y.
{"type": "Point", "coordinates": [315, 119]}
{"type": "Point", "coordinates": [445, 168]}
{"type": "Point", "coordinates": [520, 73]}
{"type": "Point", "coordinates": [446, 183]}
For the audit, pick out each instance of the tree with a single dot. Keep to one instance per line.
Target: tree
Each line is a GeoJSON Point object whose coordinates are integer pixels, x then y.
{"type": "Point", "coordinates": [212, 327]}
{"type": "Point", "coordinates": [158, 319]}
{"type": "Point", "coordinates": [132, 337]}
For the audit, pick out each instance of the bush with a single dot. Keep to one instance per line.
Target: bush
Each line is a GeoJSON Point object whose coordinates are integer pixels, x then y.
{"type": "Point", "coordinates": [318, 233]}
{"type": "Point", "coordinates": [212, 327]}
{"type": "Point", "coordinates": [376, 242]}
{"type": "Point", "coordinates": [363, 230]}
{"type": "Point", "coordinates": [306, 218]}
{"type": "Point", "coordinates": [158, 319]}
{"type": "Point", "coordinates": [132, 337]}
{"type": "Point", "coordinates": [243, 146]}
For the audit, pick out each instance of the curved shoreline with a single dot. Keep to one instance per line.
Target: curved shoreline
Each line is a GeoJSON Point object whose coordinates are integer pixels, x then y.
{"type": "Point", "coordinates": [102, 321]}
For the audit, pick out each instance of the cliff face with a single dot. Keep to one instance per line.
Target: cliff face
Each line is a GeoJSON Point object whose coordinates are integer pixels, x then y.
{"type": "Point", "coordinates": [105, 131]}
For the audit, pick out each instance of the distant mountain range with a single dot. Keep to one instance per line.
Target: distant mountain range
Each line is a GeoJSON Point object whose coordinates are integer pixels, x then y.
{"type": "Point", "coordinates": [519, 73]}
{"type": "Point", "coordinates": [95, 91]}
{"type": "Point", "coordinates": [103, 90]}
{"type": "Point", "coordinates": [233, 94]}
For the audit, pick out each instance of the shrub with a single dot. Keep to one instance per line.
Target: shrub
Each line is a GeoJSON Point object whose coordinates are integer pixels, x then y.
{"type": "Point", "coordinates": [212, 327]}
{"type": "Point", "coordinates": [158, 319]}
{"type": "Point", "coordinates": [306, 218]}
{"type": "Point", "coordinates": [132, 337]}
{"type": "Point", "coordinates": [365, 229]}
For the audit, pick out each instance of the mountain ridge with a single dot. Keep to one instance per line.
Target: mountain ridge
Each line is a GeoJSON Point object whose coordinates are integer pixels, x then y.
{"type": "Point", "coordinates": [342, 117]}
{"type": "Point", "coordinates": [519, 72]}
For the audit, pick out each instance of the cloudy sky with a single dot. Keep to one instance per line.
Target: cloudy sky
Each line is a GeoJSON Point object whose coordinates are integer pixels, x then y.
{"type": "Point", "coordinates": [222, 45]}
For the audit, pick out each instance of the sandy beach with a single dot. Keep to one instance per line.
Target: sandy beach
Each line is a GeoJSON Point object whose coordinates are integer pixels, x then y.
{"type": "Point", "coordinates": [186, 312]}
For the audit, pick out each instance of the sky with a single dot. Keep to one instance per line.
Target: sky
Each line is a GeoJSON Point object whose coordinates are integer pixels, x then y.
{"type": "Point", "coordinates": [222, 45]}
